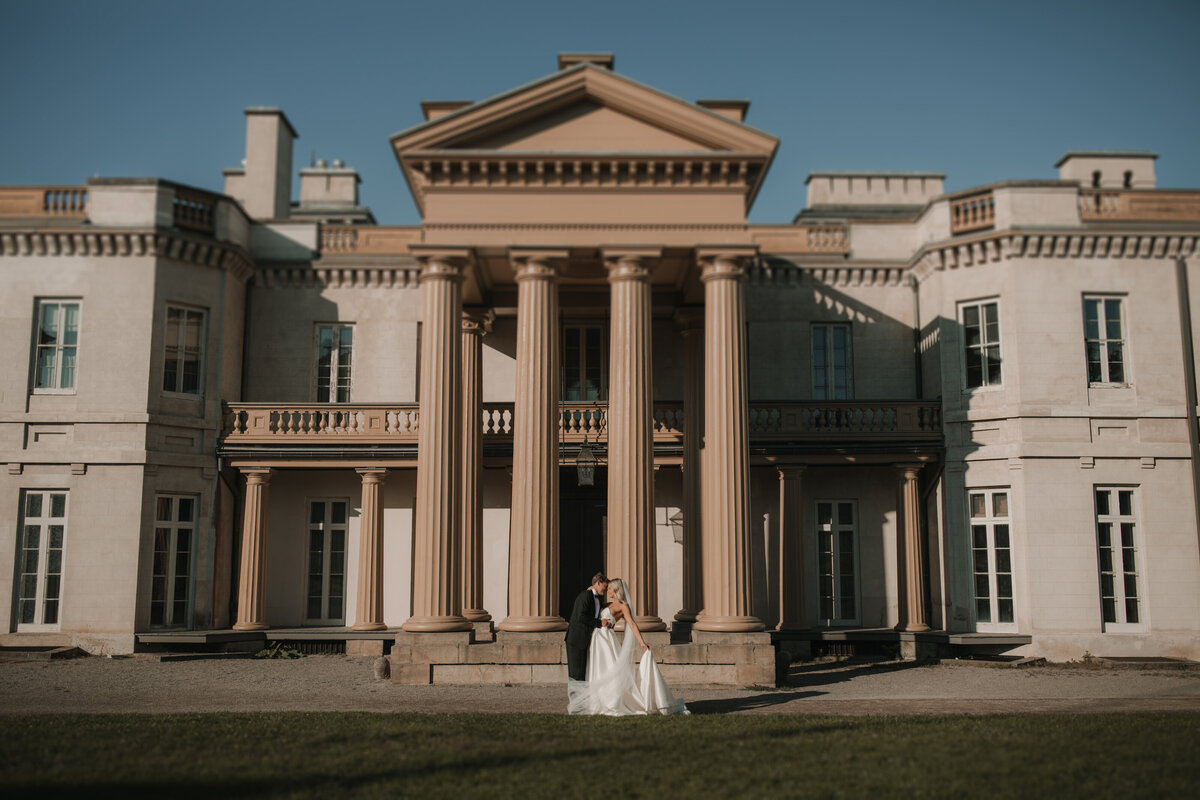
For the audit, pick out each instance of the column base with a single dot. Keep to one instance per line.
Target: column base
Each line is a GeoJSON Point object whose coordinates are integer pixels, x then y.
{"type": "Point", "coordinates": [745, 624]}
{"type": "Point", "coordinates": [250, 626]}
{"type": "Point", "coordinates": [684, 615]}
{"type": "Point", "coordinates": [918, 627]}
{"type": "Point", "coordinates": [476, 615]}
{"type": "Point", "coordinates": [649, 624]}
{"type": "Point", "coordinates": [447, 624]}
{"type": "Point", "coordinates": [533, 624]}
{"type": "Point", "coordinates": [369, 626]}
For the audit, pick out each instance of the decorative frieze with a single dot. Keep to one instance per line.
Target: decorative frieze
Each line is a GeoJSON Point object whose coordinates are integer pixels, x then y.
{"type": "Point", "coordinates": [776, 272]}
{"type": "Point", "coordinates": [108, 243]}
{"type": "Point", "coordinates": [1065, 244]}
{"type": "Point", "coordinates": [340, 277]}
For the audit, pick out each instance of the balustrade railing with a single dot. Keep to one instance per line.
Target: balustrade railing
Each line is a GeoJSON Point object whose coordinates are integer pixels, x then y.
{"type": "Point", "coordinates": [43, 201]}
{"type": "Point", "coordinates": [194, 210]}
{"type": "Point", "coordinates": [972, 213]}
{"type": "Point", "coordinates": [322, 423]}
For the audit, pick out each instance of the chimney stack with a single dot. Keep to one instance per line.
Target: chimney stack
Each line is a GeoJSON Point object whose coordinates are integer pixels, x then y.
{"type": "Point", "coordinates": [266, 186]}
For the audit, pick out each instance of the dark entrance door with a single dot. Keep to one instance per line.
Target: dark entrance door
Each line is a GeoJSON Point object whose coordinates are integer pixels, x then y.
{"type": "Point", "coordinates": [581, 534]}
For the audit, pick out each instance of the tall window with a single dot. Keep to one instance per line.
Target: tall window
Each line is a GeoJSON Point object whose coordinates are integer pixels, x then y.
{"type": "Point", "coordinates": [981, 343]}
{"type": "Point", "coordinates": [837, 551]}
{"type": "Point", "coordinates": [334, 346]}
{"type": "Point", "coordinates": [991, 559]}
{"type": "Point", "coordinates": [57, 343]}
{"type": "Point", "coordinates": [40, 559]}
{"type": "Point", "coordinates": [174, 540]}
{"type": "Point", "coordinates": [184, 354]}
{"type": "Point", "coordinates": [584, 364]}
{"type": "Point", "coordinates": [831, 370]}
{"type": "Point", "coordinates": [325, 599]}
{"type": "Point", "coordinates": [1116, 539]}
{"type": "Point", "coordinates": [1104, 333]}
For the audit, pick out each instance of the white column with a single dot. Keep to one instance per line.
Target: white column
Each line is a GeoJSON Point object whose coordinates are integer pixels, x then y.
{"type": "Point", "coordinates": [370, 552]}
{"type": "Point", "coordinates": [691, 324]}
{"type": "Point", "coordinates": [436, 596]}
{"type": "Point", "coordinates": [476, 323]}
{"type": "Point", "coordinates": [726, 470]}
{"type": "Point", "coordinates": [632, 544]}
{"type": "Point", "coordinates": [252, 605]}
{"type": "Point", "coordinates": [533, 545]}
{"type": "Point", "coordinates": [912, 554]}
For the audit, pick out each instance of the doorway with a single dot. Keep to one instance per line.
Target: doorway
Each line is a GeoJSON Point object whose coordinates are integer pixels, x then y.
{"type": "Point", "coordinates": [582, 512]}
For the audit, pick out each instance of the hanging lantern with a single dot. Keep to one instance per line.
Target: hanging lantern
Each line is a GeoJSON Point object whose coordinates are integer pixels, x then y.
{"type": "Point", "coordinates": [585, 465]}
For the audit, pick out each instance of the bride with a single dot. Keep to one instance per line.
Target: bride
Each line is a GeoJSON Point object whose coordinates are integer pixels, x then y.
{"type": "Point", "coordinates": [614, 687]}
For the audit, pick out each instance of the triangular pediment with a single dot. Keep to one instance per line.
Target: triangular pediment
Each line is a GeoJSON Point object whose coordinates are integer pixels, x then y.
{"type": "Point", "coordinates": [601, 111]}
{"type": "Point", "coordinates": [586, 126]}
{"type": "Point", "coordinates": [582, 128]}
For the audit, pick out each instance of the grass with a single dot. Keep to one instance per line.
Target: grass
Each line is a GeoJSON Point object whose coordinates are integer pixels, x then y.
{"type": "Point", "coordinates": [532, 755]}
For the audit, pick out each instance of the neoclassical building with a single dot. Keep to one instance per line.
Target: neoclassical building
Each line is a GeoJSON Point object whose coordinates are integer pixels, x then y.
{"type": "Point", "coordinates": [952, 423]}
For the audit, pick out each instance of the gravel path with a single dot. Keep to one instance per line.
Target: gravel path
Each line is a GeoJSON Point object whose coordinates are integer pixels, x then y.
{"type": "Point", "coordinates": [340, 683]}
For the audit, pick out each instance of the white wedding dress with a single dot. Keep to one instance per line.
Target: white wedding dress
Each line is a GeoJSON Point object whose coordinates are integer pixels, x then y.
{"type": "Point", "coordinates": [614, 686]}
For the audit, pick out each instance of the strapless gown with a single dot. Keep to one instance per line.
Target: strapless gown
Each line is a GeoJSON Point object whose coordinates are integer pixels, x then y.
{"type": "Point", "coordinates": [615, 686]}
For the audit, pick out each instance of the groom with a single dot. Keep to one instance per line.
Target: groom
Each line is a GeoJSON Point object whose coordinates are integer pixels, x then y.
{"type": "Point", "coordinates": [585, 617]}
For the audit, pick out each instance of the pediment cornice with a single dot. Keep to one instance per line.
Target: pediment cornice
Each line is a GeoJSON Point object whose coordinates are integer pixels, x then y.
{"type": "Point", "coordinates": [446, 151]}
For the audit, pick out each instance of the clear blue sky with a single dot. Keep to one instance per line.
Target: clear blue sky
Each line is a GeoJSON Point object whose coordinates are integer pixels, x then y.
{"type": "Point", "coordinates": [979, 91]}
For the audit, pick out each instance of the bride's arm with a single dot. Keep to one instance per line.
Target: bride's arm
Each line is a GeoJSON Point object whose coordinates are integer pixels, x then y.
{"type": "Point", "coordinates": [631, 625]}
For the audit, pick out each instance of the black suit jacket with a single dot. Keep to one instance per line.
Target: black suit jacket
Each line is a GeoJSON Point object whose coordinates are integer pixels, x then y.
{"type": "Point", "coordinates": [583, 620]}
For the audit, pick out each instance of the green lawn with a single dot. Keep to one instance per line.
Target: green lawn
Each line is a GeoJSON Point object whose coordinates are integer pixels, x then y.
{"type": "Point", "coordinates": [533, 755]}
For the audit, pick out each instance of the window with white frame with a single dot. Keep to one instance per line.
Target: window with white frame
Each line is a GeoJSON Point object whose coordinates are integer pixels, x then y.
{"type": "Point", "coordinates": [174, 543]}
{"type": "Point", "coordinates": [991, 559]}
{"type": "Point", "coordinates": [334, 351]}
{"type": "Point", "coordinates": [183, 354]}
{"type": "Point", "coordinates": [837, 562]}
{"type": "Point", "coordinates": [325, 597]}
{"type": "Point", "coordinates": [40, 559]}
{"type": "Point", "coordinates": [1104, 336]}
{"type": "Point", "coordinates": [1117, 550]}
{"type": "Point", "coordinates": [56, 346]}
{"type": "Point", "coordinates": [981, 343]}
{"type": "Point", "coordinates": [831, 366]}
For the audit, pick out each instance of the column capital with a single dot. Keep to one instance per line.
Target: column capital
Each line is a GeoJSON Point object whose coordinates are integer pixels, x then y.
{"type": "Point", "coordinates": [790, 470]}
{"type": "Point", "coordinates": [725, 262]}
{"type": "Point", "coordinates": [911, 471]}
{"type": "Point", "coordinates": [258, 474]}
{"type": "Point", "coordinates": [477, 320]}
{"type": "Point", "coordinates": [372, 474]}
{"type": "Point", "coordinates": [536, 263]}
{"type": "Point", "coordinates": [441, 262]}
{"type": "Point", "coordinates": [629, 263]}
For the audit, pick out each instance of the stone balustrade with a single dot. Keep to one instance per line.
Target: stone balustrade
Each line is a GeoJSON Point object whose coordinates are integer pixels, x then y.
{"type": "Point", "coordinates": [381, 423]}
{"type": "Point", "coordinates": [367, 239]}
{"type": "Point", "coordinates": [974, 212]}
{"type": "Point", "coordinates": [1139, 205]}
{"type": "Point", "coordinates": [194, 210]}
{"type": "Point", "coordinates": [43, 201]}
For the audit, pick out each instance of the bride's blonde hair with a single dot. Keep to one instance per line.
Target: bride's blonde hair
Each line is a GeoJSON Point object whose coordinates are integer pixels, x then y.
{"type": "Point", "coordinates": [617, 587]}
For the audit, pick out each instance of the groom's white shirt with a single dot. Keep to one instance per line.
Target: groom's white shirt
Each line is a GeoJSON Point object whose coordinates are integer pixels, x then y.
{"type": "Point", "coordinates": [596, 598]}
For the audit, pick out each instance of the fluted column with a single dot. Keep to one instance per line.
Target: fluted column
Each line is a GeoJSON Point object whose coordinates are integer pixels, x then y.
{"type": "Point", "coordinates": [792, 613]}
{"type": "Point", "coordinates": [370, 552]}
{"type": "Point", "coordinates": [912, 555]}
{"type": "Point", "coordinates": [533, 544]}
{"type": "Point", "coordinates": [436, 601]}
{"type": "Point", "coordinates": [476, 323]}
{"type": "Point", "coordinates": [691, 324]}
{"type": "Point", "coordinates": [632, 544]}
{"type": "Point", "coordinates": [726, 470]}
{"type": "Point", "coordinates": [252, 590]}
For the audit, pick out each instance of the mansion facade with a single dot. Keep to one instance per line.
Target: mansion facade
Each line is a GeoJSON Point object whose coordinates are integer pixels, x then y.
{"type": "Point", "coordinates": [947, 420]}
